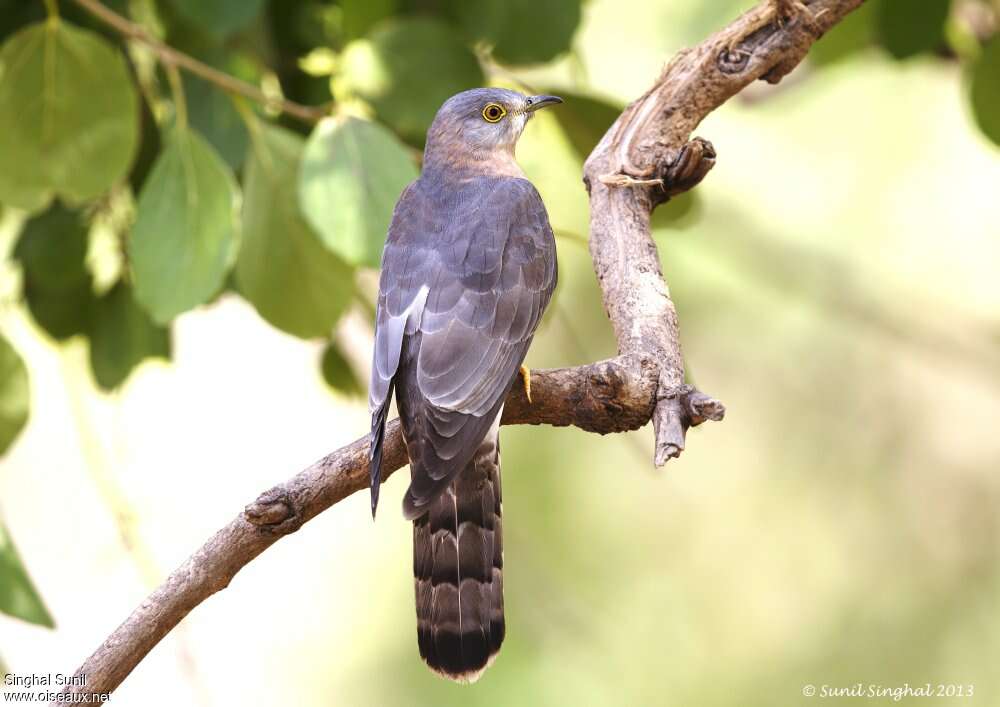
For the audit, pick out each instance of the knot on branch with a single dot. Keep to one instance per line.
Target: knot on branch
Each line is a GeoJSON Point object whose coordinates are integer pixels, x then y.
{"type": "Point", "coordinates": [733, 59]}
{"type": "Point", "coordinates": [677, 409]}
{"type": "Point", "coordinates": [274, 512]}
{"type": "Point", "coordinates": [735, 56]}
{"type": "Point", "coordinates": [678, 175]}
{"type": "Point", "coordinates": [686, 171]}
{"type": "Point", "coordinates": [607, 402]}
{"type": "Point", "coordinates": [701, 407]}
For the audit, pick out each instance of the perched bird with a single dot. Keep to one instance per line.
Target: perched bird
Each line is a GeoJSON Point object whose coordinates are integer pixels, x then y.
{"type": "Point", "coordinates": [469, 266]}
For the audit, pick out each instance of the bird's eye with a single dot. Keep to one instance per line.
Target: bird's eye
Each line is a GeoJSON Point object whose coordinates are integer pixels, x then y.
{"type": "Point", "coordinates": [493, 112]}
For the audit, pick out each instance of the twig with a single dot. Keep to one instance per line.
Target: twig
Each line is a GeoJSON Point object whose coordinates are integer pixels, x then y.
{"type": "Point", "coordinates": [650, 141]}
{"type": "Point", "coordinates": [172, 57]}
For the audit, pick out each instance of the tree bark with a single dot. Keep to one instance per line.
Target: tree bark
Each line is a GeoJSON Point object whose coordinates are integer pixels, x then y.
{"type": "Point", "coordinates": [646, 157]}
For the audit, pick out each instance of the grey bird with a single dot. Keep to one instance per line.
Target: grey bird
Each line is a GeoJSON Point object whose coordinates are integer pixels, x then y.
{"type": "Point", "coordinates": [468, 268]}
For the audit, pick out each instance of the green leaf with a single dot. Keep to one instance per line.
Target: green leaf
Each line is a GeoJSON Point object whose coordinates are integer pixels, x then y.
{"type": "Point", "coordinates": [150, 144]}
{"type": "Point", "coordinates": [338, 374]}
{"type": "Point", "coordinates": [15, 14]}
{"type": "Point", "coordinates": [352, 174]}
{"type": "Point", "coordinates": [211, 112]}
{"type": "Point", "coordinates": [122, 336]}
{"type": "Point", "coordinates": [185, 235]}
{"type": "Point", "coordinates": [57, 285]}
{"type": "Point", "coordinates": [18, 597]}
{"type": "Point", "coordinates": [219, 17]}
{"type": "Point", "coordinates": [52, 248]}
{"type": "Point", "coordinates": [359, 16]}
{"type": "Point", "coordinates": [584, 120]}
{"type": "Point", "coordinates": [908, 28]}
{"type": "Point", "coordinates": [985, 90]}
{"type": "Point", "coordinates": [62, 314]}
{"type": "Point", "coordinates": [521, 31]}
{"type": "Point", "coordinates": [406, 69]}
{"type": "Point", "coordinates": [69, 115]}
{"type": "Point", "coordinates": [13, 395]}
{"type": "Point", "coordinates": [283, 269]}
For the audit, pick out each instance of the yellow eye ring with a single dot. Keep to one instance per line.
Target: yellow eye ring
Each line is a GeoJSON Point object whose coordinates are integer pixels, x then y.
{"type": "Point", "coordinates": [494, 112]}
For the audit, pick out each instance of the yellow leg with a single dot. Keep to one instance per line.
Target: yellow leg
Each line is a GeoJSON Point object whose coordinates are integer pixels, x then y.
{"type": "Point", "coordinates": [526, 377]}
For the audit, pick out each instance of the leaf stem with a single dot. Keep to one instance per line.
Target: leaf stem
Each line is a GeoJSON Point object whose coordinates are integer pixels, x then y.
{"type": "Point", "coordinates": [177, 91]}
{"type": "Point", "coordinates": [52, 8]}
{"type": "Point", "coordinates": [249, 119]}
{"type": "Point", "coordinates": [168, 55]}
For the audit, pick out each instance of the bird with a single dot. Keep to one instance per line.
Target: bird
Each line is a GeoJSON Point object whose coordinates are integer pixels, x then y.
{"type": "Point", "coordinates": [468, 268]}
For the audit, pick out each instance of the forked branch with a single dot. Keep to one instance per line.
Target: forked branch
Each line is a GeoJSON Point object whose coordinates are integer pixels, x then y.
{"type": "Point", "coordinates": [645, 158]}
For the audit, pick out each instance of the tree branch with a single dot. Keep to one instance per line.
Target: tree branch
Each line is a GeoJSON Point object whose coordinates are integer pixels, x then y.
{"type": "Point", "coordinates": [172, 57]}
{"type": "Point", "coordinates": [645, 158]}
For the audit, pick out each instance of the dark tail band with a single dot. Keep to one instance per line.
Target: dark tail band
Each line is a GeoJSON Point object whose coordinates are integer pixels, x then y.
{"type": "Point", "coordinates": [458, 571]}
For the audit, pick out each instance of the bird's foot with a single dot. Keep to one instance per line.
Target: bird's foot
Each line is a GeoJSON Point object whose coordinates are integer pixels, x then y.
{"type": "Point", "coordinates": [526, 379]}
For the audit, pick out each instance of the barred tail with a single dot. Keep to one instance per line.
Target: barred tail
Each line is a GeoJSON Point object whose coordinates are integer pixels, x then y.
{"type": "Point", "coordinates": [458, 570]}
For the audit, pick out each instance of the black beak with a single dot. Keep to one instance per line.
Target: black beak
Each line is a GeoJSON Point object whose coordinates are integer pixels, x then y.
{"type": "Point", "coordinates": [536, 102]}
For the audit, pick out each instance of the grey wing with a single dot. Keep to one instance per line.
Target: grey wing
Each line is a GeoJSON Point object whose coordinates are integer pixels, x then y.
{"type": "Point", "coordinates": [458, 305]}
{"type": "Point", "coordinates": [407, 265]}
{"type": "Point", "coordinates": [479, 317]}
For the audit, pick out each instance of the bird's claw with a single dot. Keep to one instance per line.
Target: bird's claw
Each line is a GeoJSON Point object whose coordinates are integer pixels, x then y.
{"type": "Point", "coordinates": [526, 379]}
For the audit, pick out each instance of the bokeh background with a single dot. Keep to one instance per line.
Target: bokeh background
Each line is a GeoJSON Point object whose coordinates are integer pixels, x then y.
{"type": "Point", "coordinates": [836, 277]}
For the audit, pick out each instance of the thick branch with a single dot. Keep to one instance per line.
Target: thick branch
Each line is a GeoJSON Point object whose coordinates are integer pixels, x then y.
{"type": "Point", "coordinates": [643, 160]}
{"type": "Point", "coordinates": [648, 156]}
{"type": "Point", "coordinates": [171, 57]}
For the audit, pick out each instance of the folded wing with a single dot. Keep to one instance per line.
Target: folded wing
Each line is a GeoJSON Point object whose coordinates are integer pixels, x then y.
{"type": "Point", "coordinates": [466, 275]}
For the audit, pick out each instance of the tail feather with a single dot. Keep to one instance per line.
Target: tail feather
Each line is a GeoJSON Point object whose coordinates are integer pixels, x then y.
{"type": "Point", "coordinates": [458, 570]}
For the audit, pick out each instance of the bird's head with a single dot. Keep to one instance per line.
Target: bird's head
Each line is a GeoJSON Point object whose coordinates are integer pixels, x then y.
{"type": "Point", "coordinates": [481, 125]}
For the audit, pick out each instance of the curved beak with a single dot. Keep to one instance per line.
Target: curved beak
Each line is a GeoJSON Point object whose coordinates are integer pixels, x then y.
{"type": "Point", "coordinates": [536, 102]}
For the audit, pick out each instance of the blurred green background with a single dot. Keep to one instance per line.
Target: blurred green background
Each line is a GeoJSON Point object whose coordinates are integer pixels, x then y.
{"type": "Point", "coordinates": [186, 291]}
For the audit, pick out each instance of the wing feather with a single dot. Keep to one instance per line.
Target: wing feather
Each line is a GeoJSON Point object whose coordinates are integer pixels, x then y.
{"type": "Point", "coordinates": [467, 271]}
